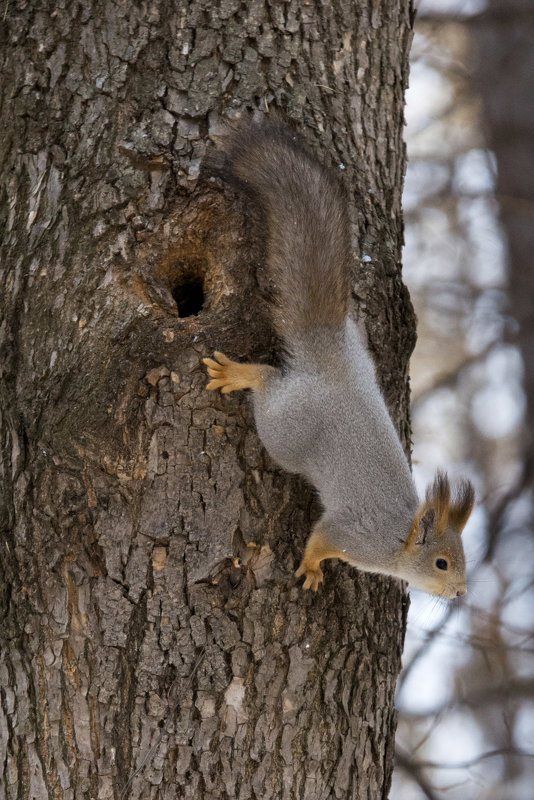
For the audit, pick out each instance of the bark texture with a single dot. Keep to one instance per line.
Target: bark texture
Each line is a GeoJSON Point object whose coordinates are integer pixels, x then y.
{"type": "Point", "coordinates": [154, 641]}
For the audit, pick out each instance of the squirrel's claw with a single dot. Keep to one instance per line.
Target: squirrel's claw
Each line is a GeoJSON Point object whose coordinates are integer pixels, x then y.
{"type": "Point", "coordinates": [211, 364]}
{"type": "Point", "coordinates": [222, 359]}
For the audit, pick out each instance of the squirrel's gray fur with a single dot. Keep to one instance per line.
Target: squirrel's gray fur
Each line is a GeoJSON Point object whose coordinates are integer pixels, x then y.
{"type": "Point", "coordinates": [323, 414]}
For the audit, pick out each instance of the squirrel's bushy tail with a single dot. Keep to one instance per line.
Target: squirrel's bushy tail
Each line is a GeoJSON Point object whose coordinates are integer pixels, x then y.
{"type": "Point", "coordinates": [308, 239]}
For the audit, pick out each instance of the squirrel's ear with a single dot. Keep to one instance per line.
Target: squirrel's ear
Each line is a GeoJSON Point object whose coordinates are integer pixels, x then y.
{"type": "Point", "coordinates": [421, 527]}
{"type": "Point", "coordinates": [462, 505]}
{"type": "Point", "coordinates": [438, 497]}
{"type": "Point", "coordinates": [426, 523]}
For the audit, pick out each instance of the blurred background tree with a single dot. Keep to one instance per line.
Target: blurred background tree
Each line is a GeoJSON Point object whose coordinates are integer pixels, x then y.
{"type": "Point", "coordinates": [466, 695]}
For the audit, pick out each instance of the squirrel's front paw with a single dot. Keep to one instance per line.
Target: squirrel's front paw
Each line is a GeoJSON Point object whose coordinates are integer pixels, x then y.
{"type": "Point", "coordinates": [225, 373]}
{"type": "Point", "coordinates": [314, 575]}
{"type": "Point", "coordinates": [229, 376]}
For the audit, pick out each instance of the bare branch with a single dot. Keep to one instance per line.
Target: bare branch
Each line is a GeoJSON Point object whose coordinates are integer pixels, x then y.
{"type": "Point", "coordinates": [414, 770]}
{"type": "Point", "coordinates": [449, 378]}
{"type": "Point", "coordinates": [496, 519]}
{"type": "Point", "coordinates": [501, 751]}
{"type": "Point", "coordinates": [512, 690]}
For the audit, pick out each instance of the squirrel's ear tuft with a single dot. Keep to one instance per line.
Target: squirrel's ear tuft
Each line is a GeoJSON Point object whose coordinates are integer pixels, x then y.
{"type": "Point", "coordinates": [438, 497]}
{"type": "Point", "coordinates": [462, 505]}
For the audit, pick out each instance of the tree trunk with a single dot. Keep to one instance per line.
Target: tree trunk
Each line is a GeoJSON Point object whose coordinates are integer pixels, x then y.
{"type": "Point", "coordinates": [504, 70]}
{"type": "Point", "coordinates": [154, 640]}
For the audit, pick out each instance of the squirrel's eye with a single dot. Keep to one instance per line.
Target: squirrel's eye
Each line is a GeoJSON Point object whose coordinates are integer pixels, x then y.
{"type": "Point", "coordinates": [441, 563]}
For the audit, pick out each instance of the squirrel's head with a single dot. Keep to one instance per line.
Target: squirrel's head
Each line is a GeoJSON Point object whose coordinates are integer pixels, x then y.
{"type": "Point", "coordinates": [433, 555]}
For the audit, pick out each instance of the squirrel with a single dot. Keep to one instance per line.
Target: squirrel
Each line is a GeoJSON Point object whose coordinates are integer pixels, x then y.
{"type": "Point", "coordinates": [322, 414]}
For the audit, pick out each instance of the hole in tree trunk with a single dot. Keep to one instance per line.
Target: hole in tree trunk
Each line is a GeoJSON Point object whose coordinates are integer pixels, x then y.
{"type": "Point", "coordinates": [188, 295]}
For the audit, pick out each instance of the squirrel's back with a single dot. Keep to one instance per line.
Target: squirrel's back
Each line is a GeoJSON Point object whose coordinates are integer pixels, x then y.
{"type": "Point", "coordinates": [308, 235]}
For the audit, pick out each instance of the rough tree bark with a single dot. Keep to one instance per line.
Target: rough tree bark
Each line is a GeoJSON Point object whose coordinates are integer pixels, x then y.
{"type": "Point", "coordinates": [148, 649]}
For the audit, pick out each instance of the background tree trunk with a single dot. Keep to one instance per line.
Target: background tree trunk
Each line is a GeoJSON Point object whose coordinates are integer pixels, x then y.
{"type": "Point", "coordinates": [504, 72]}
{"type": "Point", "coordinates": [505, 77]}
{"type": "Point", "coordinates": [146, 650]}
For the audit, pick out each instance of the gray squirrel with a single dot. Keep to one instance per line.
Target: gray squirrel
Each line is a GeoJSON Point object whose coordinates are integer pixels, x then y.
{"type": "Point", "coordinates": [322, 414]}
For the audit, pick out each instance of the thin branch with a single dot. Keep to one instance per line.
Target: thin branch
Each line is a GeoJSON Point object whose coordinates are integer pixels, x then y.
{"type": "Point", "coordinates": [421, 651]}
{"type": "Point", "coordinates": [512, 690]}
{"type": "Point", "coordinates": [450, 378]}
{"type": "Point", "coordinates": [496, 518]}
{"type": "Point", "coordinates": [501, 751]}
{"type": "Point", "coordinates": [414, 770]}
{"type": "Point", "coordinates": [508, 12]}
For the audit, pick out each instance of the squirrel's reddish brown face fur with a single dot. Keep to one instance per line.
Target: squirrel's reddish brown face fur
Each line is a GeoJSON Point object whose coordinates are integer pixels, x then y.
{"type": "Point", "coordinates": [433, 549]}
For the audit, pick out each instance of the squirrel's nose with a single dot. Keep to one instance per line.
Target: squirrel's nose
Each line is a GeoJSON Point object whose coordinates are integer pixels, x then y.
{"type": "Point", "coordinates": [461, 592]}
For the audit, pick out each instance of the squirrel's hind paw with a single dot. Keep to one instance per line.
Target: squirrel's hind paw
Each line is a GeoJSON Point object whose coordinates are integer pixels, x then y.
{"type": "Point", "coordinates": [314, 576]}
